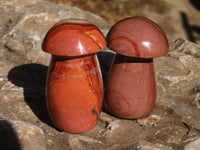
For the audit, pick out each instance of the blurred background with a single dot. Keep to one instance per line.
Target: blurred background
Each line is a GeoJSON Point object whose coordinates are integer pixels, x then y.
{"type": "Point", "coordinates": [178, 18]}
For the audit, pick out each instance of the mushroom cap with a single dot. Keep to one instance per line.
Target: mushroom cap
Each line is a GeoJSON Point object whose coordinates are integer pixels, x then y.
{"type": "Point", "coordinates": [73, 37]}
{"type": "Point", "coordinates": [138, 37]}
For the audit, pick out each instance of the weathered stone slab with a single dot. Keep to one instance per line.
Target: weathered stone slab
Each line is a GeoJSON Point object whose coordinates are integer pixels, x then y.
{"type": "Point", "coordinates": [173, 124]}
{"type": "Point", "coordinates": [20, 135]}
{"type": "Point", "coordinates": [178, 79]}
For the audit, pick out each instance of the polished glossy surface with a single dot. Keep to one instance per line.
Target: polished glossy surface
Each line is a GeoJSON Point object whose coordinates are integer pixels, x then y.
{"type": "Point", "coordinates": [130, 90]}
{"type": "Point", "coordinates": [74, 93]}
{"type": "Point", "coordinates": [73, 38]}
{"type": "Point", "coordinates": [74, 87]}
{"type": "Point", "coordinates": [131, 87]}
{"type": "Point", "coordinates": [138, 37]}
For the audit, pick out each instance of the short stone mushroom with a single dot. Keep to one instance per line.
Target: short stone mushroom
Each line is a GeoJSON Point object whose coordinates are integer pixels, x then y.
{"type": "Point", "coordinates": [74, 87]}
{"type": "Point", "coordinates": [131, 88]}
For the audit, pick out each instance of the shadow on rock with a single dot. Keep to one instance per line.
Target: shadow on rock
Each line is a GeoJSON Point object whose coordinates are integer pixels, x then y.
{"type": "Point", "coordinates": [190, 29]}
{"type": "Point", "coordinates": [8, 137]}
{"type": "Point", "coordinates": [32, 77]}
{"type": "Point", "coordinates": [195, 3]}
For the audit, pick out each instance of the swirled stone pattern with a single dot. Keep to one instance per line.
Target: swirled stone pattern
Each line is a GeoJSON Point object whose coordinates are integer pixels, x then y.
{"type": "Point", "coordinates": [74, 87]}
{"type": "Point", "coordinates": [74, 93]}
{"type": "Point", "coordinates": [138, 37]}
{"type": "Point", "coordinates": [131, 88]}
{"type": "Point", "coordinates": [73, 38]}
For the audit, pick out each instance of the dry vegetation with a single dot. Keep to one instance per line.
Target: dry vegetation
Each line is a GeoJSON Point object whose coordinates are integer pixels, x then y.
{"type": "Point", "coordinates": [113, 10]}
{"type": "Point", "coordinates": [178, 18]}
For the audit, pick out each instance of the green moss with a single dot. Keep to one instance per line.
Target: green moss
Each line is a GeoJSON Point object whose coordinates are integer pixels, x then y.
{"type": "Point", "coordinates": [131, 9]}
{"type": "Point", "coordinates": [164, 7]}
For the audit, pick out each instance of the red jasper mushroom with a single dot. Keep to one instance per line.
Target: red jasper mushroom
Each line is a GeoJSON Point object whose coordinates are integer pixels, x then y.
{"type": "Point", "coordinates": [131, 87]}
{"type": "Point", "coordinates": [74, 87]}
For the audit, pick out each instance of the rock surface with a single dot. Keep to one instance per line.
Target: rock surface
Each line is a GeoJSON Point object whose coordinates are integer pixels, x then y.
{"type": "Point", "coordinates": [21, 135]}
{"type": "Point", "coordinates": [174, 123]}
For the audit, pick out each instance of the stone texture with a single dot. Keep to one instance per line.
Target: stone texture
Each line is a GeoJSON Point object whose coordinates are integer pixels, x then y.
{"type": "Point", "coordinates": [20, 135]}
{"type": "Point", "coordinates": [193, 144]}
{"type": "Point", "coordinates": [27, 24]}
{"type": "Point", "coordinates": [178, 81]}
{"type": "Point", "coordinates": [173, 124]}
{"type": "Point", "coordinates": [144, 145]}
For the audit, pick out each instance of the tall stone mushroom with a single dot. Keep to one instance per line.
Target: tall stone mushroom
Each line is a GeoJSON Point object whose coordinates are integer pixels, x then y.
{"type": "Point", "coordinates": [74, 87]}
{"type": "Point", "coordinates": [131, 88]}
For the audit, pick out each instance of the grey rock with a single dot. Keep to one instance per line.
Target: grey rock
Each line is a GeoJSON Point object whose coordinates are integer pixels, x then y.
{"type": "Point", "coordinates": [20, 135]}
{"type": "Point", "coordinates": [144, 145]}
{"type": "Point", "coordinates": [28, 23]}
{"type": "Point", "coordinates": [177, 78]}
{"type": "Point", "coordinates": [193, 144]}
{"type": "Point", "coordinates": [174, 123]}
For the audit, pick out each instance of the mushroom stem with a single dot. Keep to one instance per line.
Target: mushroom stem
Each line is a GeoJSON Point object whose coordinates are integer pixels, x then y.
{"type": "Point", "coordinates": [74, 92]}
{"type": "Point", "coordinates": [131, 87]}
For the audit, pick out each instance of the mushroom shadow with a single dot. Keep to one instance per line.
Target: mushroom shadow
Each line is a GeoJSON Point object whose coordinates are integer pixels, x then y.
{"type": "Point", "coordinates": [190, 29]}
{"type": "Point", "coordinates": [32, 78]}
{"type": "Point", "coordinates": [8, 137]}
{"type": "Point", "coordinates": [195, 3]}
{"type": "Point", "coordinates": [105, 61]}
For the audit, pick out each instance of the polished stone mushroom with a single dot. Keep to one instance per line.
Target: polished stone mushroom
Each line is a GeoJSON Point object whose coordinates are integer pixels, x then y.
{"type": "Point", "coordinates": [74, 87]}
{"type": "Point", "coordinates": [131, 88]}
